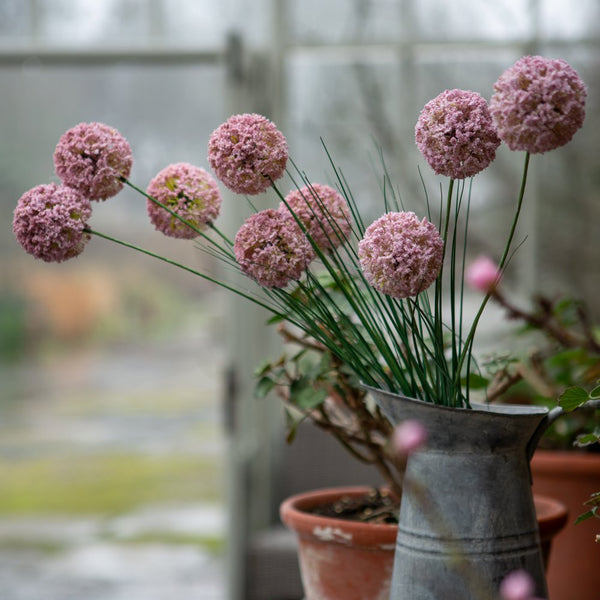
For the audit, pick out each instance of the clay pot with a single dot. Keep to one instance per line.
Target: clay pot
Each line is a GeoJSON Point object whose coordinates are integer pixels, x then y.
{"type": "Point", "coordinates": [339, 559]}
{"type": "Point", "coordinates": [570, 477]}
{"type": "Point", "coordinates": [348, 560]}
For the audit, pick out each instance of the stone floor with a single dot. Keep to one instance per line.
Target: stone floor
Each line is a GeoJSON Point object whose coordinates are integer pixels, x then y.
{"type": "Point", "coordinates": [115, 558]}
{"type": "Point", "coordinates": [71, 559]}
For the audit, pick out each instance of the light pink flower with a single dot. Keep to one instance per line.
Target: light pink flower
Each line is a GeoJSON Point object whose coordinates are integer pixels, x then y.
{"type": "Point", "coordinates": [483, 274]}
{"type": "Point", "coordinates": [408, 437]}
{"type": "Point", "coordinates": [538, 104]}
{"type": "Point", "coordinates": [517, 585]}
{"type": "Point", "coordinates": [271, 248]}
{"type": "Point", "coordinates": [49, 222]}
{"type": "Point", "coordinates": [400, 255]}
{"type": "Point", "coordinates": [247, 153]}
{"type": "Point", "coordinates": [189, 191]}
{"type": "Point", "coordinates": [323, 212]}
{"type": "Point", "coordinates": [92, 157]}
{"type": "Point", "coordinates": [456, 134]}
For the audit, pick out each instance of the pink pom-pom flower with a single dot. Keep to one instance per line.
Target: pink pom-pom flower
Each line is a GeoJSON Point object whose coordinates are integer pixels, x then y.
{"type": "Point", "coordinates": [517, 585]}
{"type": "Point", "coordinates": [456, 134]}
{"type": "Point", "coordinates": [247, 153]}
{"type": "Point", "coordinates": [538, 104]}
{"type": "Point", "coordinates": [271, 248]}
{"type": "Point", "coordinates": [408, 437]}
{"type": "Point", "coordinates": [483, 274]}
{"type": "Point", "coordinates": [49, 222]}
{"type": "Point", "coordinates": [323, 212]}
{"type": "Point", "coordinates": [92, 157]}
{"type": "Point", "coordinates": [189, 191]}
{"type": "Point", "coordinates": [401, 255]}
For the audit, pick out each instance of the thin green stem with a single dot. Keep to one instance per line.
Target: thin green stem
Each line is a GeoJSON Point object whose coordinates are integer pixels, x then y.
{"type": "Point", "coordinates": [468, 345]}
{"type": "Point", "coordinates": [183, 267]}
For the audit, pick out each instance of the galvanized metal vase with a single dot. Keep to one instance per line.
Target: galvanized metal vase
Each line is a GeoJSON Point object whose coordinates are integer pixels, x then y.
{"type": "Point", "coordinates": [467, 517]}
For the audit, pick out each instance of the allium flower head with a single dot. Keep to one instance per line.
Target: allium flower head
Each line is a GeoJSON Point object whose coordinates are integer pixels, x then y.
{"type": "Point", "coordinates": [400, 255]}
{"type": "Point", "coordinates": [538, 104]}
{"type": "Point", "coordinates": [323, 212]}
{"type": "Point", "coordinates": [49, 222]}
{"type": "Point", "coordinates": [271, 248]}
{"type": "Point", "coordinates": [247, 152]}
{"type": "Point", "coordinates": [91, 157]}
{"type": "Point", "coordinates": [483, 274]}
{"type": "Point", "coordinates": [456, 134]}
{"type": "Point", "coordinates": [189, 191]}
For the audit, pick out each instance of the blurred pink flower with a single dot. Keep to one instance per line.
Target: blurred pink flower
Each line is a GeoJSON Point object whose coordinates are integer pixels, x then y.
{"type": "Point", "coordinates": [91, 157]}
{"type": "Point", "coordinates": [483, 274]}
{"type": "Point", "coordinates": [538, 104]}
{"type": "Point", "coordinates": [49, 222]}
{"type": "Point", "coordinates": [456, 134]}
{"type": "Point", "coordinates": [408, 437]}
{"type": "Point", "coordinates": [517, 585]}
{"type": "Point", "coordinates": [247, 153]}
{"type": "Point", "coordinates": [400, 255]}
{"type": "Point", "coordinates": [189, 191]}
{"type": "Point", "coordinates": [271, 248]}
{"type": "Point", "coordinates": [323, 212]}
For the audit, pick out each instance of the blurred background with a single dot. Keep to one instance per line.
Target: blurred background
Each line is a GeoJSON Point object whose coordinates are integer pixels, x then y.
{"type": "Point", "coordinates": [134, 460]}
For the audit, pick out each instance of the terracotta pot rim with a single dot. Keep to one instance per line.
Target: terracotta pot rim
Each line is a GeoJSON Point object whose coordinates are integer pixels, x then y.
{"type": "Point", "coordinates": [294, 516]}
{"type": "Point", "coordinates": [574, 463]}
{"type": "Point", "coordinates": [552, 515]}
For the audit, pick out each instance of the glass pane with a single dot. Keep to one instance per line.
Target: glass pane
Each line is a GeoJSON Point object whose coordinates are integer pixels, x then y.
{"type": "Point", "coordinates": [466, 20]}
{"type": "Point", "coordinates": [343, 21]}
{"type": "Point", "coordinates": [71, 22]}
{"type": "Point", "coordinates": [569, 21]}
{"type": "Point", "coordinates": [166, 113]}
{"type": "Point", "coordinates": [15, 19]}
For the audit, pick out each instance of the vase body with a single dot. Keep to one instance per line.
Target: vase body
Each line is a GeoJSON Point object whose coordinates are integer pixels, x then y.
{"type": "Point", "coordinates": [467, 517]}
{"type": "Point", "coordinates": [340, 559]}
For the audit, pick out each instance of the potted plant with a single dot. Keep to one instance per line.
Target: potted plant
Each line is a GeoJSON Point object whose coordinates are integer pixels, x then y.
{"type": "Point", "coordinates": [564, 363]}
{"type": "Point", "coordinates": [315, 387]}
{"type": "Point", "coordinates": [373, 296]}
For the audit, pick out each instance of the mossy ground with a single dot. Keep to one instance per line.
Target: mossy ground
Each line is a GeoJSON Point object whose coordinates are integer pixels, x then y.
{"type": "Point", "coordinates": [104, 484]}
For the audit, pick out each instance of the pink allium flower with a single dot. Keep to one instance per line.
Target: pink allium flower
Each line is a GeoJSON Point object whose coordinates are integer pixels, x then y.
{"type": "Point", "coordinates": [323, 212]}
{"type": "Point", "coordinates": [91, 157]}
{"type": "Point", "coordinates": [247, 153]}
{"type": "Point", "coordinates": [408, 437]}
{"type": "Point", "coordinates": [49, 222]}
{"type": "Point", "coordinates": [271, 248]}
{"type": "Point", "coordinates": [483, 274]}
{"type": "Point", "coordinates": [517, 585]}
{"type": "Point", "coordinates": [456, 134]}
{"type": "Point", "coordinates": [190, 192]}
{"type": "Point", "coordinates": [400, 255]}
{"type": "Point", "coordinates": [538, 104]}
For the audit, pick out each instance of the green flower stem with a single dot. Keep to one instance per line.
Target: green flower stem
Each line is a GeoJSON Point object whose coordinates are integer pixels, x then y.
{"type": "Point", "coordinates": [183, 267]}
{"type": "Point", "coordinates": [191, 225]}
{"type": "Point", "coordinates": [468, 345]}
{"type": "Point", "coordinates": [441, 381]}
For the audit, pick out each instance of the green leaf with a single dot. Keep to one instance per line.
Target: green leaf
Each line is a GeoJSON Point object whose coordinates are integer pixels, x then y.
{"type": "Point", "coordinates": [305, 396]}
{"type": "Point", "coordinates": [585, 516]}
{"type": "Point", "coordinates": [475, 381]}
{"type": "Point", "coordinates": [585, 439]}
{"type": "Point", "coordinates": [572, 398]}
{"type": "Point", "coordinates": [264, 386]}
{"type": "Point", "coordinates": [595, 393]}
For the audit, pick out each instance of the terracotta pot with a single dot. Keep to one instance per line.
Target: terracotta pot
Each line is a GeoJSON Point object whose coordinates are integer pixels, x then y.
{"type": "Point", "coordinates": [347, 560]}
{"type": "Point", "coordinates": [340, 560]}
{"type": "Point", "coordinates": [574, 569]}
